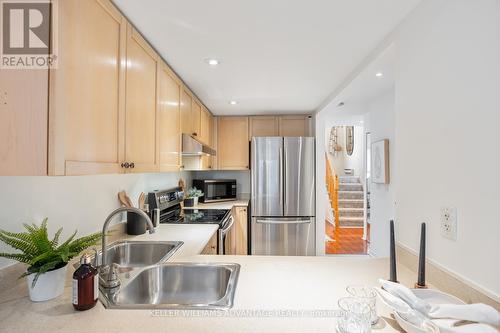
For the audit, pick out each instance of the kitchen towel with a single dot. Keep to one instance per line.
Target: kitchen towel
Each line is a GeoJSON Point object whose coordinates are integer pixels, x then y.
{"type": "Point", "coordinates": [479, 312]}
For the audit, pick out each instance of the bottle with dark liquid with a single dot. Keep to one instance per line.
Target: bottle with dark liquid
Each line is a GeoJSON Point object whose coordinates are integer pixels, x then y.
{"type": "Point", "coordinates": [85, 285]}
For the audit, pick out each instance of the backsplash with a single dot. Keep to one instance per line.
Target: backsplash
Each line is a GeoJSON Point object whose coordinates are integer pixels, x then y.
{"type": "Point", "coordinates": [72, 202]}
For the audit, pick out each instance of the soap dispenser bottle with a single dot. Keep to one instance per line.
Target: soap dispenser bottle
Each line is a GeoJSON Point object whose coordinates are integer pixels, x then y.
{"type": "Point", "coordinates": [85, 285]}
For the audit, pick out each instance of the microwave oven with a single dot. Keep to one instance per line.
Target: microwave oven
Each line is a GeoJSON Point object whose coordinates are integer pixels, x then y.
{"type": "Point", "coordinates": [216, 190]}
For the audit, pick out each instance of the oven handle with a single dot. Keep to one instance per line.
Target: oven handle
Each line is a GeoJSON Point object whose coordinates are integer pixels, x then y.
{"type": "Point", "coordinates": [223, 232]}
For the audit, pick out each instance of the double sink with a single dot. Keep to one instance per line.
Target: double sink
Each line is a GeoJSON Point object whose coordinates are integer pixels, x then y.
{"type": "Point", "coordinates": [148, 282]}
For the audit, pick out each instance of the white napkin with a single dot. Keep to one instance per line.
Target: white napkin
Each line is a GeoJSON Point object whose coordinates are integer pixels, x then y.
{"type": "Point", "coordinates": [480, 313]}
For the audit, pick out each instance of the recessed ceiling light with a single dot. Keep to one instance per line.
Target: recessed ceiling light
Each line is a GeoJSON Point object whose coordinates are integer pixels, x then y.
{"type": "Point", "coordinates": [212, 61]}
{"type": "Point", "coordinates": [233, 102]}
{"type": "Point", "coordinates": [379, 74]}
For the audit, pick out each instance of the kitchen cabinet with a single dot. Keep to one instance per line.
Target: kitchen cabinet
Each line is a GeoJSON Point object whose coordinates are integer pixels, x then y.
{"type": "Point", "coordinates": [211, 247]}
{"type": "Point", "coordinates": [141, 125]}
{"type": "Point", "coordinates": [195, 118]}
{"type": "Point", "coordinates": [232, 143]}
{"type": "Point", "coordinates": [86, 124]}
{"type": "Point", "coordinates": [263, 126]}
{"type": "Point", "coordinates": [206, 136]}
{"type": "Point", "coordinates": [23, 122]}
{"type": "Point", "coordinates": [186, 103]}
{"type": "Point", "coordinates": [240, 216]}
{"type": "Point", "coordinates": [294, 125]}
{"type": "Point", "coordinates": [169, 119]}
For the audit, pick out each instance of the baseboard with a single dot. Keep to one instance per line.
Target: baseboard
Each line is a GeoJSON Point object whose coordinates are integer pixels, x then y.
{"type": "Point", "coordinates": [447, 281]}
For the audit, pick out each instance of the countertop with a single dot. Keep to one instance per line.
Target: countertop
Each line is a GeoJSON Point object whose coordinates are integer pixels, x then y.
{"type": "Point", "coordinates": [221, 205]}
{"type": "Point", "coordinates": [274, 294]}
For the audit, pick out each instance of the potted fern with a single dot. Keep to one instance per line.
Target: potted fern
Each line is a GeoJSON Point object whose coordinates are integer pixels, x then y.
{"type": "Point", "coordinates": [46, 259]}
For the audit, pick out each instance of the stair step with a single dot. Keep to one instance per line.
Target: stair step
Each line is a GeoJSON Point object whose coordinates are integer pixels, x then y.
{"type": "Point", "coordinates": [351, 221]}
{"type": "Point", "coordinates": [351, 212]}
{"type": "Point", "coordinates": [350, 187]}
{"type": "Point", "coordinates": [348, 179]}
{"type": "Point", "coordinates": [351, 195]}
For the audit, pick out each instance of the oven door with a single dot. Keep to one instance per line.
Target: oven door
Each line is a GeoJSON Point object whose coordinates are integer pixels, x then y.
{"type": "Point", "coordinates": [219, 190]}
{"type": "Point", "coordinates": [227, 237]}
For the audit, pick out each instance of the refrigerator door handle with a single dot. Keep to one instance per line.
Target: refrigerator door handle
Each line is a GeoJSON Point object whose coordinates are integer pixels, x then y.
{"type": "Point", "coordinates": [283, 221]}
{"type": "Point", "coordinates": [281, 181]}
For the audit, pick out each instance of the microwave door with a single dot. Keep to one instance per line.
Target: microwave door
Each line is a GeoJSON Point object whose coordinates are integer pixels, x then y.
{"type": "Point", "coordinates": [267, 173]}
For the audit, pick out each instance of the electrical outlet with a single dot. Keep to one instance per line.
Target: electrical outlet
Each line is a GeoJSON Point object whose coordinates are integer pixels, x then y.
{"type": "Point", "coordinates": [449, 223]}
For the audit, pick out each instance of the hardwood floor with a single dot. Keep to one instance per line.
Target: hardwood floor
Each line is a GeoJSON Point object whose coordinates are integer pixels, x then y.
{"type": "Point", "coordinates": [347, 240]}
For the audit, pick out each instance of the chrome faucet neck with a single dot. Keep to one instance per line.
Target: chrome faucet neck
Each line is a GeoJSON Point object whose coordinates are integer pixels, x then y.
{"type": "Point", "coordinates": [108, 277]}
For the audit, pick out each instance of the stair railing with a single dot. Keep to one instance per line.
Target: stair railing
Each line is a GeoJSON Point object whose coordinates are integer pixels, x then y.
{"type": "Point", "coordinates": [332, 184]}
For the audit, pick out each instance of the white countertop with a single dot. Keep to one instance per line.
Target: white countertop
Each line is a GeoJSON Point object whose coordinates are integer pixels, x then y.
{"type": "Point", "coordinates": [194, 236]}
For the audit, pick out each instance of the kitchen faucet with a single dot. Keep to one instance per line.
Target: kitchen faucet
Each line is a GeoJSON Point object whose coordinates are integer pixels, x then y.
{"type": "Point", "coordinates": [108, 277]}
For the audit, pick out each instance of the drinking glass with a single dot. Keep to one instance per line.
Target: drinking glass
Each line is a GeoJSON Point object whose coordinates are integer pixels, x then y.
{"type": "Point", "coordinates": [367, 295]}
{"type": "Point", "coordinates": [355, 316]}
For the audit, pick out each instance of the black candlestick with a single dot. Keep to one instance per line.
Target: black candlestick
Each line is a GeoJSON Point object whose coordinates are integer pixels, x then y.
{"type": "Point", "coordinates": [393, 275]}
{"type": "Point", "coordinates": [421, 260]}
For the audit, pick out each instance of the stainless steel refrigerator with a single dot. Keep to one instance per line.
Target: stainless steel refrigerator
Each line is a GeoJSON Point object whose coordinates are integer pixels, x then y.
{"type": "Point", "coordinates": [283, 196]}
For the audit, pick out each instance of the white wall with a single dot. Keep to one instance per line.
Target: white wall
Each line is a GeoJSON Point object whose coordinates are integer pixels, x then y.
{"type": "Point", "coordinates": [380, 122]}
{"type": "Point", "coordinates": [448, 132]}
{"type": "Point", "coordinates": [80, 203]}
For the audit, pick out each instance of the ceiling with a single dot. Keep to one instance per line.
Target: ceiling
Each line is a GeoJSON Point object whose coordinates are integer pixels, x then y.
{"type": "Point", "coordinates": [276, 56]}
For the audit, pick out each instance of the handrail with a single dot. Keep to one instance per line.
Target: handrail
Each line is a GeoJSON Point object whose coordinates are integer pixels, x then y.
{"type": "Point", "coordinates": [332, 184]}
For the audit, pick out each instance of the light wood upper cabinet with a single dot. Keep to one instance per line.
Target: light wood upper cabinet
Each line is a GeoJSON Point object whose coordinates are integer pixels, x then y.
{"type": "Point", "coordinates": [195, 118]}
{"type": "Point", "coordinates": [232, 143]}
{"type": "Point", "coordinates": [294, 126]}
{"type": "Point", "coordinates": [263, 126]}
{"type": "Point", "coordinates": [23, 122]}
{"type": "Point", "coordinates": [206, 136]}
{"type": "Point", "coordinates": [169, 120]}
{"type": "Point", "coordinates": [86, 125]}
{"type": "Point", "coordinates": [186, 123]}
{"type": "Point", "coordinates": [141, 105]}
{"type": "Point", "coordinates": [240, 216]}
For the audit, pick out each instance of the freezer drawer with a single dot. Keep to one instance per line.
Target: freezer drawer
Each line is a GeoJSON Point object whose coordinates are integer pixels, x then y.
{"type": "Point", "coordinates": [283, 236]}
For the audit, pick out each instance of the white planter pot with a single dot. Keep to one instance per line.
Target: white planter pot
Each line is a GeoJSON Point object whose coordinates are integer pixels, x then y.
{"type": "Point", "coordinates": [48, 286]}
{"type": "Point", "coordinates": [195, 201]}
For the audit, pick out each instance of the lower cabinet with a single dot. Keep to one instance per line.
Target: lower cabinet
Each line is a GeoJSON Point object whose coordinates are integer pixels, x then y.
{"type": "Point", "coordinates": [240, 229]}
{"type": "Point", "coordinates": [211, 247]}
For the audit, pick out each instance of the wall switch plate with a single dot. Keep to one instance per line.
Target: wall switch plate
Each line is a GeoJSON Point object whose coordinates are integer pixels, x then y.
{"type": "Point", "coordinates": [449, 223]}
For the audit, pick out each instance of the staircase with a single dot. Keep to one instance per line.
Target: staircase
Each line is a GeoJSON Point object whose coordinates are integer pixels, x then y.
{"type": "Point", "coordinates": [351, 202]}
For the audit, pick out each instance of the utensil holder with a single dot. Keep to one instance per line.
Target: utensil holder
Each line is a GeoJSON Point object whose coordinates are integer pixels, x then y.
{"type": "Point", "coordinates": [136, 224]}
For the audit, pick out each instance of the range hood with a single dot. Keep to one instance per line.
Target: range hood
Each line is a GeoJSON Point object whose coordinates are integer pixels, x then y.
{"type": "Point", "coordinates": [193, 147]}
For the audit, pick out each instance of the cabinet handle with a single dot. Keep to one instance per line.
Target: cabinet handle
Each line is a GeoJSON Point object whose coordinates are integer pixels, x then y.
{"type": "Point", "coordinates": [132, 165]}
{"type": "Point", "coordinates": [195, 134]}
{"type": "Point", "coordinates": [125, 165]}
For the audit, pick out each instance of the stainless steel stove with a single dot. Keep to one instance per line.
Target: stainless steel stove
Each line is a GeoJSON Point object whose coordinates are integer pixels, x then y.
{"type": "Point", "coordinates": [166, 208]}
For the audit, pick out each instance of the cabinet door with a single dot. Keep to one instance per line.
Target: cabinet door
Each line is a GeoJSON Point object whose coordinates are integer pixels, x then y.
{"type": "Point", "coordinates": [169, 120]}
{"type": "Point", "coordinates": [86, 128]}
{"type": "Point", "coordinates": [206, 131]}
{"type": "Point", "coordinates": [186, 123]}
{"type": "Point", "coordinates": [294, 126]}
{"type": "Point", "coordinates": [263, 126]}
{"type": "Point", "coordinates": [195, 118]}
{"type": "Point", "coordinates": [232, 143]}
{"type": "Point", "coordinates": [211, 247]}
{"type": "Point", "coordinates": [141, 134]}
{"type": "Point", "coordinates": [23, 122]}
{"type": "Point", "coordinates": [241, 230]}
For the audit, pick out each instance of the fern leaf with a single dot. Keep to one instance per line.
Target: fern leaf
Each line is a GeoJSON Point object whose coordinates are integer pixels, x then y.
{"type": "Point", "coordinates": [55, 241]}
{"type": "Point", "coordinates": [17, 256]}
{"type": "Point", "coordinates": [17, 244]}
{"type": "Point", "coordinates": [66, 243]}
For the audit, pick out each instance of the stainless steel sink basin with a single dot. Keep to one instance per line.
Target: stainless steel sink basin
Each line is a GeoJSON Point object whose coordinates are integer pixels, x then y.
{"type": "Point", "coordinates": [139, 254]}
{"type": "Point", "coordinates": [179, 286]}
